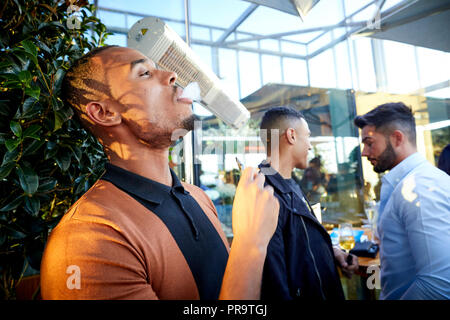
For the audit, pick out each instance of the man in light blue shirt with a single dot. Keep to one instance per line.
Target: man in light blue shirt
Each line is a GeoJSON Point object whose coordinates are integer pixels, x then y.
{"type": "Point", "coordinates": [414, 213]}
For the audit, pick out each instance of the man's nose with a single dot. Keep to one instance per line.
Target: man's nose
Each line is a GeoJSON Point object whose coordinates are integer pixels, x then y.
{"type": "Point", "coordinates": [365, 153]}
{"type": "Point", "coordinates": [170, 77]}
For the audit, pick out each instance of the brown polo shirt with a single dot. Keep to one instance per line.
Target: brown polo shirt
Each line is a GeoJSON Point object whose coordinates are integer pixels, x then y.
{"type": "Point", "coordinates": [129, 237]}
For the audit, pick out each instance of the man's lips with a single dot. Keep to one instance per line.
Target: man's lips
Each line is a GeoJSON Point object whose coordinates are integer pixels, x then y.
{"type": "Point", "coordinates": [184, 100]}
{"type": "Point", "coordinates": [178, 93]}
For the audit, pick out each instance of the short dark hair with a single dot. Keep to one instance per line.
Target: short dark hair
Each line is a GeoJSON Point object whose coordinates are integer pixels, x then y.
{"type": "Point", "coordinates": [273, 117]}
{"type": "Point", "coordinates": [277, 118]}
{"type": "Point", "coordinates": [79, 80]}
{"type": "Point", "coordinates": [389, 117]}
{"type": "Point", "coordinates": [444, 160]}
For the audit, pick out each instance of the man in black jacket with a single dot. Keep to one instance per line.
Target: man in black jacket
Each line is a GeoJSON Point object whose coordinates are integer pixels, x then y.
{"type": "Point", "coordinates": [300, 262]}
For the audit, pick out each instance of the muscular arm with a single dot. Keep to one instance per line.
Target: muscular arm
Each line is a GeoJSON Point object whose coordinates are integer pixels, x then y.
{"type": "Point", "coordinates": [255, 215]}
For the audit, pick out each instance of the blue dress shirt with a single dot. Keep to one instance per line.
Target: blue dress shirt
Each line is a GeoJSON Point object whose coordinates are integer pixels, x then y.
{"type": "Point", "coordinates": [414, 231]}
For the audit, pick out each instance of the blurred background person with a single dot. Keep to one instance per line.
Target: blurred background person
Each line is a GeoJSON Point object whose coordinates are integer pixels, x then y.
{"type": "Point", "coordinates": [444, 160]}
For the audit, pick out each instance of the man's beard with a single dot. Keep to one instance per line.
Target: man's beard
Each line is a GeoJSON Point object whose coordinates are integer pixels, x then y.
{"type": "Point", "coordinates": [162, 138]}
{"type": "Point", "coordinates": [188, 123]}
{"type": "Point", "coordinates": [386, 160]}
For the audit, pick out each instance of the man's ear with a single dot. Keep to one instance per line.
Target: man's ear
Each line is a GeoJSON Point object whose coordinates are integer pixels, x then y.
{"type": "Point", "coordinates": [103, 114]}
{"type": "Point", "coordinates": [397, 138]}
{"type": "Point", "coordinates": [290, 135]}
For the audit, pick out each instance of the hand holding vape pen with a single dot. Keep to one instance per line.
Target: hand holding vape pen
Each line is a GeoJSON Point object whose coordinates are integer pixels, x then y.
{"type": "Point", "coordinates": [240, 165]}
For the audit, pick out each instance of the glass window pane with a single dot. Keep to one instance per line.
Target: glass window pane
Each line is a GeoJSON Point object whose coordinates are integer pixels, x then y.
{"type": "Point", "coordinates": [173, 9]}
{"type": "Point", "coordinates": [265, 20]}
{"type": "Point", "coordinates": [295, 71]}
{"type": "Point", "coordinates": [112, 19]}
{"type": "Point", "coordinates": [290, 47]}
{"type": "Point", "coordinates": [441, 93]}
{"type": "Point", "coordinates": [271, 69]}
{"type": "Point", "coordinates": [344, 78]}
{"type": "Point", "coordinates": [401, 68]}
{"type": "Point", "coordinates": [216, 13]}
{"type": "Point", "coordinates": [365, 15]}
{"type": "Point", "coordinates": [217, 33]}
{"type": "Point", "coordinates": [269, 44]}
{"type": "Point", "coordinates": [117, 39]}
{"type": "Point", "coordinates": [200, 33]}
{"type": "Point", "coordinates": [434, 66]}
{"type": "Point", "coordinates": [321, 68]}
{"type": "Point", "coordinates": [250, 77]}
{"type": "Point", "coordinates": [352, 5]}
{"type": "Point", "coordinates": [228, 72]}
{"type": "Point", "coordinates": [303, 37]}
{"type": "Point", "coordinates": [204, 52]}
{"type": "Point", "coordinates": [364, 65]}
{"type": "Point", "coordinates": [319, 43]}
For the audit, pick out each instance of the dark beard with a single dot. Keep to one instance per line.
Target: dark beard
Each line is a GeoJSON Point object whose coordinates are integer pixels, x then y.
{"type": "Point", "coordinates": [188, 123]}
{"type": "Point", "coordinates": [166, 139]}
{"type": "Point", "coordinates": [163, 138]}
{"type": "Point", "coordinates": [385, 160]}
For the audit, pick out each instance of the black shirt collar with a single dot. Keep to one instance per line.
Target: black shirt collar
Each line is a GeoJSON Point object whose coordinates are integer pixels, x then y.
{"type": "Point", "coordinates": [140, 186]}
{"type": "Point", "coordinates": [275, 179]}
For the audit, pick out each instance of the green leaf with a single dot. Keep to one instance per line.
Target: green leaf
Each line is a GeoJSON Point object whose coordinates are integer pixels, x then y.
{"type": "Point", "coordinates": [59, 76]}
{"type": "Point", "coordinates": [4, 107]}
{"type": "Point", "coordinates": [13, 204]}
{"type": "Point", "coordinates": [29, 47]}
{"type": "Point", "coordinates": [29, 109]}
{"type": "Point", "coordinates": [29, 180]}
{"type": "Point", "coordinates": [47, 184]}
{"type": "Point", "coordinates": [12, 144]}
{"type": "Point", "coordinates": [10, 156]}
{"type": "Point", "coordinates": [80, 184]}
{"type": "Point", "coordinates": [10, 76]}
{"type": "Point", "coordinates": [31, 131]}
{"type": "Point", "coordinates": [32, 147]}
{"type": "Point", "coordinates": [77, 153]}
{"type": "Point", "coordinates": [58, 104]}
{"type": "Point", "coordinates": [32, 205]}
{"type": "Point", "coordinates": [33, 92]}
{"type": "Point", "coordinates": [63, 161]}
{"type": "Point", "coordinates": [3, 237]}
{"type": "Point", "coordinates": [50, 153]}
{"type": "Point", "coordinates": [16, 128]}
{"type": "Point", "coordinates": [6, 170]}
{"type": "Point", "coordinates": [25, 76]}
{"type": "Point", "coordinates": [41, 44]}
{"type": "Point", "coordinates": [62, 116]}
{"type": "Point", "coordinates": [5, 64]}
{"type": "Point", "coordinates": [59, 120]}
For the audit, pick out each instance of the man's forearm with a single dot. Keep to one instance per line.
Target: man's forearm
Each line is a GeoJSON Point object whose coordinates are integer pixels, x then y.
{"type": "Point", "coordinates": [255, 218]}
{"type": "Point", "coordinates": [243, 274]}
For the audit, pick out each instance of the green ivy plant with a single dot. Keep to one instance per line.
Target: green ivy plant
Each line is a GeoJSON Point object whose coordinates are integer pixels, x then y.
{"type": "Point", "coordinates": [47, 160]}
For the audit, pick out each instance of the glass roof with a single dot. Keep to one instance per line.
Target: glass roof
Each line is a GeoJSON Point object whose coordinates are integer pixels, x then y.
{"type": "Point", "coordinates": [216, 13]}
{"type": "Point", "coordinates": [230, 22]}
